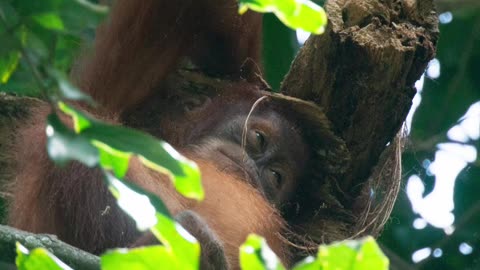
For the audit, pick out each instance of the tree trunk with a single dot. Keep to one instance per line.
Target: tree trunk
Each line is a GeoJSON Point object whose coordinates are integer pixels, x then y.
{"type": "Point", "coordinates": [362, 71]}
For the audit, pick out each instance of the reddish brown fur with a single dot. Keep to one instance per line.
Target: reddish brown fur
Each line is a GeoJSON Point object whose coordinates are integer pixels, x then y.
{"type": "Point", "coordinates": [145, 40]}
{"type": "Point", "coordinates": [142, 42]}
{"type": "Point", "coordinates": [224, 195]}
{"type": "Point", "coordinates": [74, 203]}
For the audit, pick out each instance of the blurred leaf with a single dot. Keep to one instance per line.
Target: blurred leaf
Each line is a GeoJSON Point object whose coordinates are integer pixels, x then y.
{"type": "Point", "coordinates": [297, 14]}
{"type": "Point", "coordinates": [8, 64]}
{"type": "Point", "coordinates": [38, 259]}
{"type": "Point", "coordinates": [8, 16]}
{"type": "Point", "coordinates": [179, 247]}
{"type": "Point", "coordinates": [64, 145]}
{"type": "Point", "coordinates": [155, 154]}
{"type": "Point", "coordinates": [139, 204]}
{"type": "Point", "coordinates": [49, 20]}
{"type": "Point", "coordinates": [27, 8]}
{"type": "Point", "coordinates": [81, 18]}
{"type": "Point", "coordinates": [145, 258]}
{"type": "Point", "coordinates": [362, 254]}
{"type": "Point", "coordinates": [255, 254]}
{"type": "Point", "coordinates": [67, 89]}
{"type": "Point", "coordinates": [185, 247]}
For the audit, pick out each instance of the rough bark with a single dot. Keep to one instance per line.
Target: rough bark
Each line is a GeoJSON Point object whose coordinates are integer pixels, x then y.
{"type": "Point", "coordinates": [362, 72]}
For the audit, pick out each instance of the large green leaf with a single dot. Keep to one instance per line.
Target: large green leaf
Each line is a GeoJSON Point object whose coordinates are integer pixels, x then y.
{"type": "Point", "coordinates": [297, 14]}
{"type": "Point", "coordinates": [117, 143]}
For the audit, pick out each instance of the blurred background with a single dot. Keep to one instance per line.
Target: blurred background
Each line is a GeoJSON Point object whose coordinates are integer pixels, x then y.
{"type": "Point", "coordinates": [436, 220]}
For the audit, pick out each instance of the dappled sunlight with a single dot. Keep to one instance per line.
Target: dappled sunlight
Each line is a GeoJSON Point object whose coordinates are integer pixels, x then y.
{"type": "Point", "coordinates": [302, 36]}
{"type": "Point", "coordinates": [437, 253]}
{"type": "Point", "coordinates": [421, 254]}
{"type": "Point", "coordinates": [136, 205]}
{"type": "Point", "coordinates": [465, 249]}
{"type": "Point", "coordinates": [433, 70]}
{"type": "Point", "coordinates": [436, 208]}
{"type": "Point", "coordinates": [420, 223]}
{"type": "Point", "coordinates": [469, 126]}
{"type": "Point", "coordinates": [450, 159]}
{"type": "Point", "coordinates": [445, 17]}
{"type": "Point", "coordinates": [415, 103]}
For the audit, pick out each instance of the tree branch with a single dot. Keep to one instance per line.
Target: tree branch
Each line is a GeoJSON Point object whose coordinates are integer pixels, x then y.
{"type": "Point", "coordinates": [74, 257]}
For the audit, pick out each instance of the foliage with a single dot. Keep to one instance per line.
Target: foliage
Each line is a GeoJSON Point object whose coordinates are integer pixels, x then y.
{"type": "Point", "coordinates": [39, 42]}
{"type": "Point", "coordinates": [37, 259]}
{"type": "Point", "coordinates": [297, 14]}
{"type": "Point", "coordinates": [254, 255]}
{"type": "Point", "coordinates": [355, 255]}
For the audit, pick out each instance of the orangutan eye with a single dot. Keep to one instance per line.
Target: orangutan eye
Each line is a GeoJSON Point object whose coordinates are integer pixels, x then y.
{"type": "Point", "coordinates": [276, 178]}
{"type": "Point", "coordinates": [256, 141]}
{"type": "Point", "coordinates": [260, 139]}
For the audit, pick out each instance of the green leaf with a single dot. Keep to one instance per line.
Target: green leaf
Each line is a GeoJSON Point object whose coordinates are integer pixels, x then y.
{"type": "Point", "coordinates": [349, 255]}
{"type": "Point", "coordinates": [8, 65]}
{"type": "Point", "coordinates": [256, 255]}
{"type": "Point", "coordinates": [8, 16]}
{"type": "Point", "coordinates": [181, 243]}
{"type": "Point", "coordinates": [139, 204]}
{"type": "Point", "coordinates": [145, 258]}
{"type": "Point", "coordinates": [297, 14]}
{"type": "Point", "coordinates": [49, 20]}
{"type": "Point", "coordinates": [179, 247]}
{"type": "Point", "coordinates": [67, 89]}
{"type": "Point", "coordinates": [80, 122]}
{"type": "Point", "coordinates": [81, 18]}
{"type": "Point", "coordinates": [111, 159]}
{"type": "Point", "coordinates": [64, 145]}
{"type": "Point", "coordinates": [38, 259]}
{"type": "Point", "coordinates": [155, 154]}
